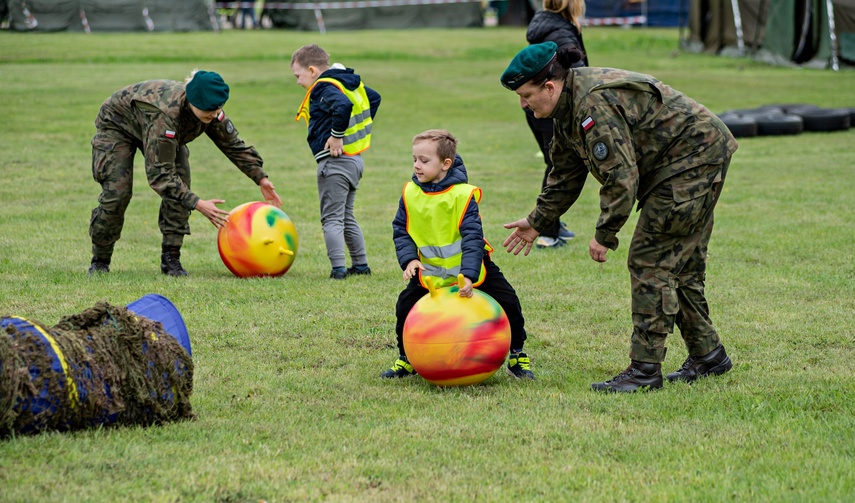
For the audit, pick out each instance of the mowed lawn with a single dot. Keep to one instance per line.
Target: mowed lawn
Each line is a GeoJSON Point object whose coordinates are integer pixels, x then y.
{"type": "Point", "coordinates": [286, 395]}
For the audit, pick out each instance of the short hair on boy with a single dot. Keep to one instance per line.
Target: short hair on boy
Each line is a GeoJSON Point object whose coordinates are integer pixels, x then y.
{"type": "Point", "coordinates": [311, 55]}
{"type": "Point", "coordinates": [446, 143]}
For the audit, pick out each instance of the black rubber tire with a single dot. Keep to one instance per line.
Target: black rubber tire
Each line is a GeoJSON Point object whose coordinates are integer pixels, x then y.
{"type": "Point", "coordinates": [740, 127]}
{"type": "Point", "coordinates": [826, 119]}
{"type": "Point", "coordinates": [788, 108]}
{"type": "Point", "coordinates": [750, 112]}
{"type": "Point", "coordinates": [769, 109]}
{"type": "Point", "coordinates": [800, 109]}
{"type": "Point", "coordinates": [778, 124]}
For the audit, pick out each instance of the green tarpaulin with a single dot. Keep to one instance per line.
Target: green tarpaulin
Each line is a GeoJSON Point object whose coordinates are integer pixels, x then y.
{"type": "Point", "coordinates": [110, 15]}
{"type": "Point", "coordinates": [335, 15]}
{"type": "Point", "coordinates": [777, 31]}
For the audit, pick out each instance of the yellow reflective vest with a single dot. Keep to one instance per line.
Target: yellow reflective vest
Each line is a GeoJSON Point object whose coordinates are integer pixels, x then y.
{"type": "Point", "coordinates": [357, 136]}
{"type": "Point", "coordinates": [433, 221]}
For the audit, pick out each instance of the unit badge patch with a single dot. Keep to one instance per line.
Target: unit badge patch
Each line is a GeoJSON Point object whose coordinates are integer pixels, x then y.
{"type": "Point", "coordinates": [601, 151]}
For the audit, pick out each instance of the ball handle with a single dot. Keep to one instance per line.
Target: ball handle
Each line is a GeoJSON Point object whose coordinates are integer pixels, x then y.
{"type": "Point", "coordinates": [461, 282]}
{"type": "Point", "coordinates": [431, 289]}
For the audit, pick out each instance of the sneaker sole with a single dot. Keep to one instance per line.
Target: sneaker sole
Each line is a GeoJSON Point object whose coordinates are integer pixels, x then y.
{"type": "Point", "coordinates": [616, 390]}
{"type": "Point", "coordinates": [518, 378]}
{"type": "Point", "coordinates": [398, 377]}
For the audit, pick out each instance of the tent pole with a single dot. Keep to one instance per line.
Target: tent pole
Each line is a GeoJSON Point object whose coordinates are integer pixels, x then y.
{"type": "Point", "coordinates": [84, 21]}
{"type": "Point", "coordinates": [737, 21]}
{"type": "Point", "coordinates": [319, 17]}
{"type": "Point", "coordinates": [834, 63]}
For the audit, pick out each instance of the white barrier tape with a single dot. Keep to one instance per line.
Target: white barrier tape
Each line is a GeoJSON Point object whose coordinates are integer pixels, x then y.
{"type": "Point", "coordinates": [613, 21]}
{"type": "Point", "coordinates": [362, 4]}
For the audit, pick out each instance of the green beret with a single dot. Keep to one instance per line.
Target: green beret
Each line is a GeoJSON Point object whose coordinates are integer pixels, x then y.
{"type": "Point", "coordinates": [207, 91]}
{"type": "Point", "coordinates": [527, 63]}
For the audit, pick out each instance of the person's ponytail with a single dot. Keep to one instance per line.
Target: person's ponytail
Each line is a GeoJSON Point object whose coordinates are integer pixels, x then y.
{"type": "Point", "coordinates": [569, 56]}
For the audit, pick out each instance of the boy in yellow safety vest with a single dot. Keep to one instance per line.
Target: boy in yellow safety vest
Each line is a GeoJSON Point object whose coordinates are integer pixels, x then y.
{"type": "Point", "coordinates": [339, 111]}
{"type": "Point", "coordinates": [438, 235]}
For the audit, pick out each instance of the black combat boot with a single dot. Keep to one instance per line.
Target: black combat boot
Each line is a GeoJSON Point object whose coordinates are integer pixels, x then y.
{"type": "Point", "coordinates": [714, 363]}
{"type": "Point", "coordinates": [99, 266]}
{"type": "Point", "coordinates": [639, 375]}
{"type": "Point", "coordinates": [170, 262]}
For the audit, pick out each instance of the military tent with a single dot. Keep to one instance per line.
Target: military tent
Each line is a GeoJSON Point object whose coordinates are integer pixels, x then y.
{"type": "Point", "coordinates": [371, 14]}
{"type": "Point", "coordinates": [110, 15]}
{"type": "Point", "coordinates": [791, 32]}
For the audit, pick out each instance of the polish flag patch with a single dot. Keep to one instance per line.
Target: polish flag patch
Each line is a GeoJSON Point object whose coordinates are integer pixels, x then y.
{"type": "Point", "coordinates": [588, 123]}
{"type": "Point", "coordinates": [169, 134]}
{"type": "Point", "coordinates": [220, 116]}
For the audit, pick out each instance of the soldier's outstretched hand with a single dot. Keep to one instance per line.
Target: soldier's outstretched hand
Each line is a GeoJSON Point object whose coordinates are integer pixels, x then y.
{"type": "Point", "coordinates": [209, 208]}
{"type": "Point", "coordinates": [522, 237]}
{"type": "Point", "coordinates": [268, 191]}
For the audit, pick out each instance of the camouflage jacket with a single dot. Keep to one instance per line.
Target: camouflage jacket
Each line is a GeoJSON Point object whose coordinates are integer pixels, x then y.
{"type": "Point", "coordinates": [631, 132]}
{"type": "Point", "coordinates": [156, 115]}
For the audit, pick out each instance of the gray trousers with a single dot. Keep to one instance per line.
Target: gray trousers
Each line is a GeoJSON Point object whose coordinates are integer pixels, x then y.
{"type": "Point", "coordinates": [338, 179]}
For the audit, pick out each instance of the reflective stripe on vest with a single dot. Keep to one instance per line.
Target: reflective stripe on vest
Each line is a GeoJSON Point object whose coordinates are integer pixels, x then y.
{"type": "Point", "coordinates": [437, 238]}
{"type": "Point", "coordinates": [357, 136]}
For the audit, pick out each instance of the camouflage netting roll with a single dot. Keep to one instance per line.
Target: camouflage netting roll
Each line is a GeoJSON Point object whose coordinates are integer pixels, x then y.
{"type": "Point", "coordinates": [105, 366]}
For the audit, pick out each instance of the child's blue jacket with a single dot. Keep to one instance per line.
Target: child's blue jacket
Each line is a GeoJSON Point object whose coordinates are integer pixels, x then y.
{"type": "Point", "coordinates": [329, 108]}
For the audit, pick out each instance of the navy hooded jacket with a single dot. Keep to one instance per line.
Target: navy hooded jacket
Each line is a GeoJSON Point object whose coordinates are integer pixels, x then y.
{"type": "Point", "coordinates": [329, 108]}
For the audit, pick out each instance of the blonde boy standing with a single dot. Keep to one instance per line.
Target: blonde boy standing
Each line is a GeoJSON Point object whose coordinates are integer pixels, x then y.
{"type": "Point", "coordinates": [339, 110]}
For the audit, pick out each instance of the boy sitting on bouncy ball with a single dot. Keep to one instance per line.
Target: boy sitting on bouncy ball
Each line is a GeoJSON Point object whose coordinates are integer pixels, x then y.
{"type": "Point", "coordinates": [439, 202]}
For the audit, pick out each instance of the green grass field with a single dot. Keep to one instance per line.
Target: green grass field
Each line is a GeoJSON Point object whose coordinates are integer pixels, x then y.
{"type": "Point", "coordinates": [289, 406]}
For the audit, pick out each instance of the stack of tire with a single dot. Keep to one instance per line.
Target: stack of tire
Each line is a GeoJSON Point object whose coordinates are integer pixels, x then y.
{"type": "Point", "coordinates": [788, 119]}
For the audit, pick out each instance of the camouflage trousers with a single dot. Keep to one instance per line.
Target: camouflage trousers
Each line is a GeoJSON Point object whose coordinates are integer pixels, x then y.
{"type": "Point", "coordinates": [667, 264]}
{"type": "Point", "coordinates": [113, 167]}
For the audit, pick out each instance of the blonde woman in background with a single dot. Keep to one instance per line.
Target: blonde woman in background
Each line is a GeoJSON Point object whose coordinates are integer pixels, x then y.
{"type": "Point", "coordinates": [559, 22]}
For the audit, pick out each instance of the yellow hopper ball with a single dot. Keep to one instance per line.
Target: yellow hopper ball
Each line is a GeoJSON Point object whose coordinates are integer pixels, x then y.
{"type": "Point", "coordinates": [456, 341]}
{"type": "Point", "coordinates": [258, 240]}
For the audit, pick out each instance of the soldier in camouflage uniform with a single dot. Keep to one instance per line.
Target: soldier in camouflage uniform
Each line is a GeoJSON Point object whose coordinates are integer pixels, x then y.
{"type": "Point", "coordinates": [160, 117]}
{"type": "Point", "coordinates": [647, 144]}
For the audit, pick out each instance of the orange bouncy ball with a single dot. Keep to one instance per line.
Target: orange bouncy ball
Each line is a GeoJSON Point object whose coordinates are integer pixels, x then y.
{"type": "Point", "coordinates": [456, 341]}
{"type": "Point", "coordinates": [258, 240]}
